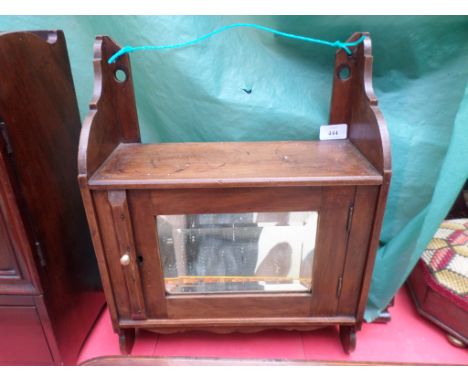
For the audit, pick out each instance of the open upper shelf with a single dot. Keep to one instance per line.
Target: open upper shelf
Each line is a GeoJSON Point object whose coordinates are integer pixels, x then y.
{"type": "Point", "coordinates": [234, 164]}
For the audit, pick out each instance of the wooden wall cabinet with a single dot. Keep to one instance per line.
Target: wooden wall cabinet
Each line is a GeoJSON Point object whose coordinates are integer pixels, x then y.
{"type": "Point", "coordinates": [50, 293]}
{"type": "Point", "coordinates": [206, 235]}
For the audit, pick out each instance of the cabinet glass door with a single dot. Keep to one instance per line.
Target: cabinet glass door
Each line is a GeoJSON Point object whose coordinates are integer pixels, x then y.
{"type": "Point", "coordinates": [261, 252]}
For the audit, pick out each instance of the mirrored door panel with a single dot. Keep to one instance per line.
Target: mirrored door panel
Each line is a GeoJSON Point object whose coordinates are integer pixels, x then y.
{"type": "Point", "coordinates": [261, 252]}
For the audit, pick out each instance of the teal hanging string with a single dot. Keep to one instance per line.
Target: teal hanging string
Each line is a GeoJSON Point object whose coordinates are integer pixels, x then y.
{"type": "Point", "coordinates": [337, 44]}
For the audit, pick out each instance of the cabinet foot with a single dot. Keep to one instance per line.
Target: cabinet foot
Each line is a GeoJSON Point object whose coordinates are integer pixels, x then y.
{"type": "Point", "coordinates": [126, 340]}
{"type": "Point", "coordinates": [348, 338]}
{"type": "Point", "coordinates": [455, 341]}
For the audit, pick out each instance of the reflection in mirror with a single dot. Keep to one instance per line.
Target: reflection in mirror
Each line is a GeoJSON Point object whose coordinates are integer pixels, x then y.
{"type": "Point", "coordinates": [241, 252]}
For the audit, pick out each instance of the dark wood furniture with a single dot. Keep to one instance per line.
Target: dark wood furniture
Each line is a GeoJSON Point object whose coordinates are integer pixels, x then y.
{"type": "Point", "coordinates": [50, 291]}
{"type": "Point", "coordinates": [430, 302]}
{"type": "Point", "coordinates": [133, 192]}
{"type": "Point", "coordinates": [438, 308]}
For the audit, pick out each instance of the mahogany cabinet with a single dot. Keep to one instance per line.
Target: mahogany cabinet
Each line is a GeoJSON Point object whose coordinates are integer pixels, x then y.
{"type": "Point", "coordinates": [234, 236]}
{"type": "Point", "coordinates": [50, 292]}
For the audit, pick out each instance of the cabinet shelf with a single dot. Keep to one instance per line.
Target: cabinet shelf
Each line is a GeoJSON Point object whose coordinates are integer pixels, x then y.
{"type": "Point", "coordinates": [235, 164]}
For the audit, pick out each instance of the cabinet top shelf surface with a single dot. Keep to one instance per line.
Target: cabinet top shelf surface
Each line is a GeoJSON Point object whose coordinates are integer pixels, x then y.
{"type": "Point", "coordinates": [235, 164]}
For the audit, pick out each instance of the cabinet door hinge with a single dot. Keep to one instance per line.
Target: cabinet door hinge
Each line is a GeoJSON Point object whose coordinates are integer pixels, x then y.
{"type": "Point", "coordinates": [40, 254]}
{"type": "Point", "coordinates": [350, 218]}
{"type": "Point", "coordinates": [338, 287]}
{"type": "Point", "coordinates": [6, 137]}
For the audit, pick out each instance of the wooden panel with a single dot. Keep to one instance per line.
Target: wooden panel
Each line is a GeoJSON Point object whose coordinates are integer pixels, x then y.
{"type": "Point", "coordinates": [112, 255]}
{"type": "Point", "coordinates": [128, 258]}
{"type": "Point", "coordinates": [199, 361]}
{"type": "Point", "coordinates": [231, 164]}
{"type": "Point", "coordinates": [206, 201]}
{"type": "Point", "coordinates": [99, 251]}
{"type": "Point", "coordinates": [8, 265]}
{"type": "Point", "coordinates": [39, 92]}
{"type": "Point", "coordinates": [44, 157]}
{"type": "Point", "coordinates": [146, 244]}
{"type": "Point", "coordinates": [357, 252]}
{"type": "Point", "coordinates": [418, 286]}
{"type": "Point", "coordinates": [330, 250]}
{"type": "Point", "coordinates": [329, 257]}
{"type": "Point", "coordinates": [146, 205]}
{"type": "Point", "coordinates": [112, 118]}
{"type": "Point", "coordinates": [247, 305]}
{"type": "Point", "coordinates": [40, 198]}
{"type": "Point", "coordinates": [23, 341]}
{"type": "Point", "coordinates": [373, 245]}
{"type": "Point", "coordinates": [246, 324]}
{"type": "Point", "coordinates": [17, 273]}
{"type": "Point", "coordinates": [437, 308]}
{"type": "Point", "coordinates": [342, 89]}
{"type": "Point", "coordinates": [354, 103]}
{"type": "Point", "coordinates": [447, 313]}
{"type": "Point", "coordinates": [16, 300]}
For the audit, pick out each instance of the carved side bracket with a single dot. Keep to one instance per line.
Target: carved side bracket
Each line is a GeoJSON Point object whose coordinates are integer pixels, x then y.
{"type": "Point", "coordinates": [112, 118]}
{"type": "Point", "coordinates": [354, 103]}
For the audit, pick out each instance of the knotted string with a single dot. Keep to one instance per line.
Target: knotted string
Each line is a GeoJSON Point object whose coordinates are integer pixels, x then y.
{"type": "Point", "coordinates": [337, 44]}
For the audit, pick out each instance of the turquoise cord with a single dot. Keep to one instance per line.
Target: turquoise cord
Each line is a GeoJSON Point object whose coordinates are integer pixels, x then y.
{"type": "Point", "coordinates": [337, 44]}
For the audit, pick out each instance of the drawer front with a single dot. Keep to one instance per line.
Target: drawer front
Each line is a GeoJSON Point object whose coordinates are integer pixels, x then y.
{"type": "Point", "coordinates": [23, 341]}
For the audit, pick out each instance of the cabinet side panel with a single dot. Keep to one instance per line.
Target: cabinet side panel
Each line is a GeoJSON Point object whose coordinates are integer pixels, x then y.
{"type": "Point", "coordinates": [45, 217]}
{"type": "Point", "coordinates": [40, 112]}
{"type": "Point", "coordinates": [96, 236]}
{"type": "Point", "coordinates": [374, 244]}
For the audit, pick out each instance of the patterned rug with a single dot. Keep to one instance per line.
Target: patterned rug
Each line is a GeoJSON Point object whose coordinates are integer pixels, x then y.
{"type": "Point", "coordinates": [445, 261]}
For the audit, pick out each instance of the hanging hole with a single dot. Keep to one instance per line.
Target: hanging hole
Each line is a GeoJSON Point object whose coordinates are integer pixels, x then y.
{"type": "Point", "coordinates": [344, 72]}
{"type": "Point", "coordinates": [140, 259]}
{"type": "Point", "coordinates": [120, 75]}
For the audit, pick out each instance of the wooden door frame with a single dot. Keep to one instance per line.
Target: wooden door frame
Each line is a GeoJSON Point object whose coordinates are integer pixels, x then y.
{"type": "Point", "coordinates": [143, 206]}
